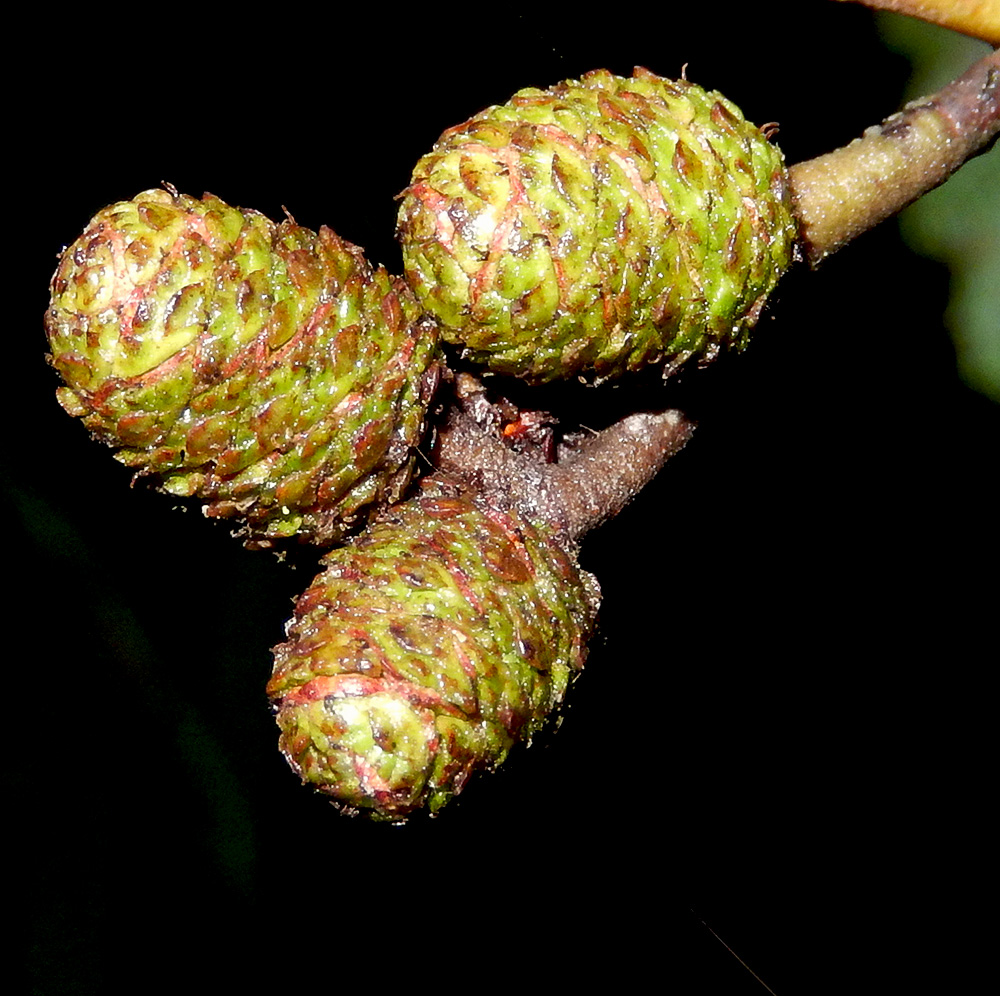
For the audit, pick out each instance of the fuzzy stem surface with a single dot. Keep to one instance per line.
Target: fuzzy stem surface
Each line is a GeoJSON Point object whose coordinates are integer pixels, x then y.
{"type": "Point", "coordinates": [589, 484]}
{"type": "Point", "coordinates": [839, 195]}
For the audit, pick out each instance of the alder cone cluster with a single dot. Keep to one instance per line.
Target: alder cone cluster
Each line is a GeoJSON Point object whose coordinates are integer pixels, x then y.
{"type": "Point", "coordinates": [273, 373]}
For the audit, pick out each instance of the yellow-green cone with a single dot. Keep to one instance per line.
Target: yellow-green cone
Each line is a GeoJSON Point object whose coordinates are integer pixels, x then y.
{"type": "Point", "coordinates": [427, 647]}
{"type": "Point", "coordinates": [598, 226]}
{"type": "Point", "coordinates": [269, 370]}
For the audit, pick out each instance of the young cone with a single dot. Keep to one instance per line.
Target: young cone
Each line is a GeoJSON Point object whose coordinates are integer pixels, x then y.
{"type": "Point", "coordinates": [598, 226]}
{"type": "Point", "coordinates": [266, 369]}
{"type": "Point", "coordinates": [450, 629]}
{"type": "Point", "coordinates": [425, 649]}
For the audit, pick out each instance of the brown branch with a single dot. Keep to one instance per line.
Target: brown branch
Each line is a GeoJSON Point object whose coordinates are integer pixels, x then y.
{"type": "Point", "coordinates": [978, 18]}
{"type": "Point", "coordinates": [589, 485]}
{"type": "Point", "coordinates": [844, 193]}
{"type": "Point", "coordinates": [610, 468]}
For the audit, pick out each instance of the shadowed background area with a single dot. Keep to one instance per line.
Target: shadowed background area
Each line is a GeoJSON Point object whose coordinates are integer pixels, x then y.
{"type": "Point", "coordinates": [780, 724]}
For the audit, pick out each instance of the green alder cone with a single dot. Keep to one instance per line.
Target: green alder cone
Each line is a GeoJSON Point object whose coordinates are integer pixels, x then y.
{"type": "Point", "coordinates": [598, 226]}
{"type": "Point", "coordinates": [425, 649]}
{"type": "Point", "coordinates": [266, 369]}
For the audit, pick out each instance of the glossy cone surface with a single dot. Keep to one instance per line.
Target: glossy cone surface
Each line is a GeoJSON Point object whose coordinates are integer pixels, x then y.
{"type": "Point", "coordinates": [598, 226]}
{"type": "Point", "coordinates": [267, 369]}
{"type": "Point", "coordinates": [426, 648]}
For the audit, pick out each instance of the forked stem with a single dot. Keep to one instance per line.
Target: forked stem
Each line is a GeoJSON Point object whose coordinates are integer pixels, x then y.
{"type": "Point", "coordinates": [587, 486]}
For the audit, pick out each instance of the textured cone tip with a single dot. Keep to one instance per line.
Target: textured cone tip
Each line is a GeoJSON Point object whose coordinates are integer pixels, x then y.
{"type": "Point", "coordinates": [598, 226]}
{"type": "Point", "coordinates": [269, 370]}
{"type": "Point", "coordinates": [426, 649]}
{"type": "Point", "coordinates": [370, 751]}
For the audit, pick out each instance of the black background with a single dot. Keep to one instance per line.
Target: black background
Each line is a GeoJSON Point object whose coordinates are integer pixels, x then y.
{"type": "Point", "coordinates": [781, 724]}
